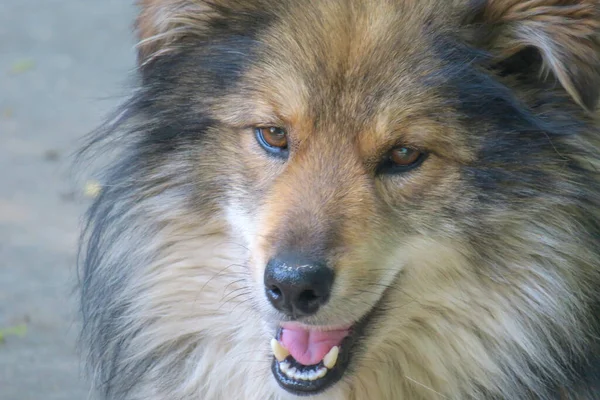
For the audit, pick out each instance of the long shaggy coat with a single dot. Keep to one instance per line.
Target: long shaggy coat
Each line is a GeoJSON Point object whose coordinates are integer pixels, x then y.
{"type": "Point", "coordinates": [480, 269]}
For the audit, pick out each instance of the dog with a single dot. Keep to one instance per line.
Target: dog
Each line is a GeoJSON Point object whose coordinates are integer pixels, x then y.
{"type": "Point", "coordinates": [350, 199]}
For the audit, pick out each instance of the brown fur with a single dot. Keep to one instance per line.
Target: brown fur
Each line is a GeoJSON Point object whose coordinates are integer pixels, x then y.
{"type": "Point", "coordinates": [566, 32]}
{"type": "Point", "coordinates": [483, 265]}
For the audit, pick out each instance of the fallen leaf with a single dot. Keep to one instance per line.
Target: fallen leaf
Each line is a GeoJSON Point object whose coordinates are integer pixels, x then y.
{"type": "Point", "coordinates": [92, 189]}
{"type": "Point", "coordinates": [21, 66]}
{"type": "Point", "coordinates": [17, 330]}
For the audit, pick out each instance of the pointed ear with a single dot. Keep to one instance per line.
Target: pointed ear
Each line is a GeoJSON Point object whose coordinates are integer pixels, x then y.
{"type": "Point", "coordinates": [566, 33]}
{"type": "Point", "coordinates": [161, 23]}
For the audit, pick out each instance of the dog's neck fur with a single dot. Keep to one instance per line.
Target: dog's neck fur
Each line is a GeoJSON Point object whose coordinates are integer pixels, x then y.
{"type": "Point", "coordinates": [217, 345]}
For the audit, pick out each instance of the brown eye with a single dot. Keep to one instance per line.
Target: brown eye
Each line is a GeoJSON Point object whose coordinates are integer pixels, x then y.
{"type": "Point", "coordinates": [401, 159]}
{"type": "Point", "coordinates": [272, 139]}
{"type": "Point", "coordinates": [404, 156]}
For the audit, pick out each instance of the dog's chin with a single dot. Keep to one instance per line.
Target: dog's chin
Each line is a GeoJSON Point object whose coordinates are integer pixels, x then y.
{"type": "Point", "coordinates": [303, 378]}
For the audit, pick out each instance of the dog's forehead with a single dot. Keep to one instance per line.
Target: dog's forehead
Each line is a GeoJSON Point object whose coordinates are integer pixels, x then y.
{"type": "Point", "coordinates": [341, 63]}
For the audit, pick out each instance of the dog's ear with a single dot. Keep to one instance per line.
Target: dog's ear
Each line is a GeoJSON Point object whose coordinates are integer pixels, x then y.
{"type": "Point", "coordinates": [566, 34]}
{"type": "Point", "coordinates": [161, 23]}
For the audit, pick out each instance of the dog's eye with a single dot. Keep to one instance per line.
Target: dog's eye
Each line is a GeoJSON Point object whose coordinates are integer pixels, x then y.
{"type": "Point", "coordinates": [404, 156]}
{"type": "Point", "coordinates": [402, 159]}
{"type": "Point", "coordinates": [273, 139]}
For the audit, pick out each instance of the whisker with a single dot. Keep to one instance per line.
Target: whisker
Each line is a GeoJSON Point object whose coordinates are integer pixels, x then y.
{"type": "Point", "coordinates": [212, 278]}
{"type": "Point", "coordinates": [368, 291]}
{"type": "Point", "coordinates": [229, 284]}
{"type": "Point", "coordinates": [236, 290]}
{"type": "Point", "coordinates": [233, 298]}
{"type": "Point", "coordinates": [237, 305]}
{"type": "Point", "coordinates": [229, 242]}
{"type": "Point", "coordinates": [426, 387]}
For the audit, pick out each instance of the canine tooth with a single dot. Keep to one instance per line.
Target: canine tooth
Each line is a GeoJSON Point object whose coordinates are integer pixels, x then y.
{"type": "Point", "coordinates": [331, 358]}
{"type": "Point", "coordinates": [279, 351]}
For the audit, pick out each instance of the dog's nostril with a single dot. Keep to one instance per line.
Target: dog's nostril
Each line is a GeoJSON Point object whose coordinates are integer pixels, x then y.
{"type": "Point", "coordinates": [275, 292]}
{"type": "Point", "coordinates": [308, 296]}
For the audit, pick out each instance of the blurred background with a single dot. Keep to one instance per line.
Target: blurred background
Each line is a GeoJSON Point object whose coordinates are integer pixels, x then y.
{"type": "Point", "coordinates": [64, 65]}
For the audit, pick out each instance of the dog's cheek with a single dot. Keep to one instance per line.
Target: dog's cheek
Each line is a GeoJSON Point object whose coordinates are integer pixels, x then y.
{"type": "Point", "coordinates": [247, 175]}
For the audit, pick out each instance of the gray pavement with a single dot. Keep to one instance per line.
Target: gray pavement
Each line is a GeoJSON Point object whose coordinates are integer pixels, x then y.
{"type": "Point", "coordinates": [64, 64]}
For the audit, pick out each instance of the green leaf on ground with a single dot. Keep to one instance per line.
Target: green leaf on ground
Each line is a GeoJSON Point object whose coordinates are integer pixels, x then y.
{"type": "Point", "coordinates": [21, 66]}
{"type": "Point", "coordinates": [17, 330]}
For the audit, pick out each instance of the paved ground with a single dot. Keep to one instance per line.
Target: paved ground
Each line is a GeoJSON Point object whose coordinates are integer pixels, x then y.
{"type": "Point", "coordinates": [63, 65]}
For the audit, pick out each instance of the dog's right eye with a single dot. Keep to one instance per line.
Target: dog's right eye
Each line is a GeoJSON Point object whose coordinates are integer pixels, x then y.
{"type": "Point", "coordinates": [273, 139]}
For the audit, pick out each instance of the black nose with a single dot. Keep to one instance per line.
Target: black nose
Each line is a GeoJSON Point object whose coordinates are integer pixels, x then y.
{"type": "Point", "coordinates": [297, 288]}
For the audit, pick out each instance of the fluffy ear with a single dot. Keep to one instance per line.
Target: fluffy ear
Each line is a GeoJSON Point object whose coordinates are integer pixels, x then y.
{"type": "Point", "coordinates": [565, 32]}
{"type": "Point", "coordinates": [161, 23]}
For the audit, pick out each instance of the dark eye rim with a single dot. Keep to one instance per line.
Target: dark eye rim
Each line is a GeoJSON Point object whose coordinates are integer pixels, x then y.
{"type": "Point", "coordinates": [281, 152]}
{"type": "Point", "coordinates": [388, 167]}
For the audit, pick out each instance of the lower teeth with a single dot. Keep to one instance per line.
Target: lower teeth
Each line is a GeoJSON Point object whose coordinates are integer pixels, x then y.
{"type": "Point", "coordinates": [310, 375]}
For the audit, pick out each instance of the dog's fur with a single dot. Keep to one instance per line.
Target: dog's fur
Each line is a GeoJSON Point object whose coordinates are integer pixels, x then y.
{"type": "Point", "coordinates": [481, 267]}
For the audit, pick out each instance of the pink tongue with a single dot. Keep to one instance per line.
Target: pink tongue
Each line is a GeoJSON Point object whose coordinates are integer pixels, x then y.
{"type": "Point", "coordinates": [309, 347]}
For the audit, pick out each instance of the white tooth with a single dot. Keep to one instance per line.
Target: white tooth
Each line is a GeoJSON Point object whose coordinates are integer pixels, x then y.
{"type": "Point", "coordinates": [292, 372]}
{"type": "Point", "coordinates": [312, 375]}
{"type": "Point", "coordinates": [320, 373]}
{"type": "Point", "coordinates": [284, 367]}
{"type": "Point", "coordinates": [331, 358]}
{"type": "Point", "coordinates": [279, 351]}
{"type": "Point", "coordinates": [306, 375]}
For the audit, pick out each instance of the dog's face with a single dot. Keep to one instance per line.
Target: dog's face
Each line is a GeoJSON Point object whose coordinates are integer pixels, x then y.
{"type": "Point", "coordinates": [368, 153]}
{"type": "Point", "coordinates": [340, 165]}
{"type": "Point", "coordinates": [344, 167]}
{"type": "Point", "coordinates": [339, 155]}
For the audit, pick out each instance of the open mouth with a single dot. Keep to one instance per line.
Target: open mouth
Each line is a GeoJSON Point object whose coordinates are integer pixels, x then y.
{"type": "Point", "coordinates": [309, 359]}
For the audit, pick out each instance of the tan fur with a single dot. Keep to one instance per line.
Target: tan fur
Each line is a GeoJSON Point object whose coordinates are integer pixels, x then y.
{"type": "Point", "coordinates": [458, 316]}
{"type": "Point", "coordinates": [161, 24]}
{"type": "Point", "coordinates": [566, 32]}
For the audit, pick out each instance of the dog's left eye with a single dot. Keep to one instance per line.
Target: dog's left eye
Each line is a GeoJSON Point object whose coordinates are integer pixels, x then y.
{"type": "Point", "coordinates": [273, 139]}
{"type": "Point", "coordinates": [404, 156]}
{"type": "Point", "coordinates": [402, 159]}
